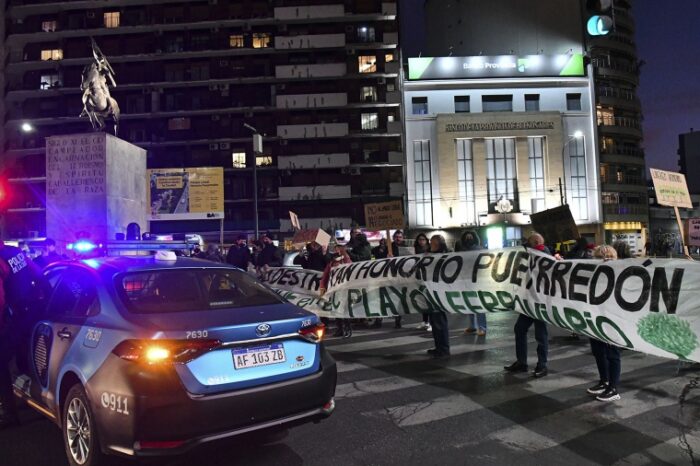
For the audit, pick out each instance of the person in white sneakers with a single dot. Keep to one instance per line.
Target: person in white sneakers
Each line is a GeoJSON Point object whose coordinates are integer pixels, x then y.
{"type": "Point", "coordinates": [607, 356]}
{"type": "Point", "coordinates": [421, 245]}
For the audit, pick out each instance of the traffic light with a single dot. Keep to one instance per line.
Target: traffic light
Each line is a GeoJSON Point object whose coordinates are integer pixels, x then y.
{"type": "Point", "coordinates": [600, 21]}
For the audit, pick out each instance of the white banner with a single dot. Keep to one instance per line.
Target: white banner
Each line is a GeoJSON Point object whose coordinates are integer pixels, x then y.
{"type": "Point", "coordinates": [644, 305]}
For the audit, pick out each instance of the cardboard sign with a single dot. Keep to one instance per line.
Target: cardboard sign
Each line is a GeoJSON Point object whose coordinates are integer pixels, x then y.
{"type": "Point", "coordinates": [694, 232]}
{"type": "Point", "coordinates": [303, 237]}
{"type": "Point", "coordinates": [295, 220]}
{"type": "Point", "coordinates": [556, 225]}
{"type": "Point", "coordinates": [671, 189]}
{"type": "Point", "coordinates": [384, 215]}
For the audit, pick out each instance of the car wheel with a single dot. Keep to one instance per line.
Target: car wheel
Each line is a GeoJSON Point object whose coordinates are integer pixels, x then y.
{"type": "Point", "coordinates": [79, 430]}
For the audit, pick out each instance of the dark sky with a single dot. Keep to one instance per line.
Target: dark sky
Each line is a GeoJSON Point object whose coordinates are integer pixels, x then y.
{"type": "Point", "coordinates": [668, 40]}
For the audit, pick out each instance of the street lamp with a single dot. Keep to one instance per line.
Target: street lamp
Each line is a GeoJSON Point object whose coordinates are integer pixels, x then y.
{"type": "Point", "coordinates": [27, 127]}
{"type": "Point", "coordinates": [257, 149]}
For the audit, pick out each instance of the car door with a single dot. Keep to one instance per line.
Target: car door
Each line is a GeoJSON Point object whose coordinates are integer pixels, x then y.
{"type": "Point", "coordinates": [72, 301]}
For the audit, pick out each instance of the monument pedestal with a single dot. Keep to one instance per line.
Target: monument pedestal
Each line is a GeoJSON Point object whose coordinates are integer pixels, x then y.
{"type": "Point", "coordinates": [95, 184]}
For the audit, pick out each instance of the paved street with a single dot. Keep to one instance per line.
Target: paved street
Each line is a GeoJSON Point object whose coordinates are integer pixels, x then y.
{"type": "Point", "coordinates": [395, 406]}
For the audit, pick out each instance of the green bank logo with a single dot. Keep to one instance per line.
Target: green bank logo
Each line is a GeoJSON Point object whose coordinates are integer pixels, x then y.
{"type": "Point", "coordinates": [523, 64]}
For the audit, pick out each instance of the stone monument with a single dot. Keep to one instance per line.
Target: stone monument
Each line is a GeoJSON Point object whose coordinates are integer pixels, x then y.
{"type": "Point", "coordinates": [95, 183]}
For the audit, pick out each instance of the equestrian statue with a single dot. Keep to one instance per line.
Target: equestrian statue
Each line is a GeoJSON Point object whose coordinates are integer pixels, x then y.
{"type": "Point", "coordinates": [98, 104]}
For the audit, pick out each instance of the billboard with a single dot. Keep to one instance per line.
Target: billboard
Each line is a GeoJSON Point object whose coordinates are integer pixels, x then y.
{"type": "Point", "coordinates": [186, 193]}
{"type": "Point", "coordinates": [498, 66]}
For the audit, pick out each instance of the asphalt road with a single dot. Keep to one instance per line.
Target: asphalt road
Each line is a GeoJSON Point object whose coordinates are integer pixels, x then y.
{"type": "Point", "coordinates": [396, 406]}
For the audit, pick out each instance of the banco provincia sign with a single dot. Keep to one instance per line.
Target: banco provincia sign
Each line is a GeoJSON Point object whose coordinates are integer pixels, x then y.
{"type": "Point", "coordinates": [498, 126]}
{"type": "Point", "coordinates": [499, 66]}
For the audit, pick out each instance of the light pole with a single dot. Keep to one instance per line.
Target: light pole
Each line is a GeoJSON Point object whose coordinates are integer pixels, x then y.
{"type": "Point", "coordinates": [257, 149]}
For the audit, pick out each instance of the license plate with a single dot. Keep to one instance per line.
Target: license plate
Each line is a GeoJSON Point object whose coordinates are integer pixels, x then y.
{"type": "Point", "coordinates": [244, 358]}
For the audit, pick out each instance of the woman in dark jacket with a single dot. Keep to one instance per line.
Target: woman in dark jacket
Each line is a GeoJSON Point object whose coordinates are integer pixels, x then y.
{"type": "Point", "coordinates": [361, 250]}
{"type": "Point", "coordinates": [381, 251]}
{"type": "Point", "coordinates": [438, 319]}
{"type": "Point", "coordinates": [421, 245]}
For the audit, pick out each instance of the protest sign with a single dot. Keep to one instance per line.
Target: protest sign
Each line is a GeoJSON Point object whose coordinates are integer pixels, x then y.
{"type": "Point", "coordinates": [384, 215]}
{"type": "Point", "coordinates": [649, 308]}
{"type": "Point", "coordinates": [303, 237]}
{"type": "Point", "coordinates": [556, 224]}
{"type": "Point", "coordinates": [694, 231]}
{"type": "Point", "coordinates": [671, 189]}
{"type": "Point", "coordinates": [295, 220]}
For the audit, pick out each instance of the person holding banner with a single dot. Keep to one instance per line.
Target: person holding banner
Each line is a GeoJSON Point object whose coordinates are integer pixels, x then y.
{"type": "Point", "coordinates": [469, 241]}
{"type": "Point", "coordinates": [523, 324]}
{"type": "Point", "coordinates": [607, 356]}
{"type": "Point", "coordinates": [312, 258]}
{"type": "Point", "coordinates": [339, 258]}
{"type": "Point", "coordinates": [438, 319]}
{"type": "Point", "coordinates": [421, 245]}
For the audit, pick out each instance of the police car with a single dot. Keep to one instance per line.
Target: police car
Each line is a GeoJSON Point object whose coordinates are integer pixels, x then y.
{"type": "Point", "coordinates": [145, 356]}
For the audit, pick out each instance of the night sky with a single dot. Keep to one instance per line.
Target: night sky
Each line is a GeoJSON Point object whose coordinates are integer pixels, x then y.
{"type": "Point", "coordinates": [668, 40]}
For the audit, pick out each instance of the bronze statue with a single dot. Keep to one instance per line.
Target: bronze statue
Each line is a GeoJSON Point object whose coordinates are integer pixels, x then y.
{"type": "Point", "coordinates": [98, 104]}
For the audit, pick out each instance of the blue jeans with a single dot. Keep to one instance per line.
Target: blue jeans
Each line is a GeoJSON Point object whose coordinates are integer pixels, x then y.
{"type": "Point", "coordinates": [607, 358]}
{"type": "Point", "coordinates": [522, 325]}
{"type": "Point", "coordinates": [480, 321]}
{"type": "Point", "coordinates": [441, 331]}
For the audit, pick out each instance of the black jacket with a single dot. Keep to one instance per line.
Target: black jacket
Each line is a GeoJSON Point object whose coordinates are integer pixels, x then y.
{"type": "Point", "coordinates": [238, 256]}
{"type": "Point", "coordinates": [270, 256]}
{"type": "Point", "coordinates": [314, 260]}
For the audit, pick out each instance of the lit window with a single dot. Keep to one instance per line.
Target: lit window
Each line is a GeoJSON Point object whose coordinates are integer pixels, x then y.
{"type": "Point", "coordinates": [389, 57]}
{"type": "Point", "coordinates": [465, 177]}
{"type": "Point", "coordinates": [263, 160]}
{"type": "Point", "coordinates": [620, 175]}
{"type": "Point", "coordinates": [48, 26]}
{"type": "Point", "coordinates": [238, 159]}
{"type": "Point", "coordinates": [536, 149]}
{"type": "Point", "coordinates": [367, 64]}
{"type": "Point", "coordinates": [52, 54]}
{"type": "Point", "coordinates": [606, 116]}
{"type": "Point", "coordinates": [179, 124]}
{"type": "Point", "coordinates": [501, 174]}
{"type": "Point", "coordinates": [365, 34]}
{"type": "Point", "coordinates": [112, 19]}
{"type": "Point", "coordinates": [370, 121]}
{"type": "Point", "coordinates": [49, 81]}
{"type": "Point", "coordinates": [419, 105]}
{"type": "Point", "coordinates": [422, 182]}
{"type": "Point", "coordinates": [261, 40]}
{"type": "Point", "coordinates": [236, 41]}
{"type": "Point", "coordinates": [578, 192]}
{"type": "Point", "coordinates": [368, 94]}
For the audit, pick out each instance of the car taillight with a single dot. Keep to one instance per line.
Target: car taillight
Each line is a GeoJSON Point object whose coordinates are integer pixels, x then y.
{"type": "Point", "coordinates": [313, 333]}
{"type": "Point", "coordinates": [163, 351]}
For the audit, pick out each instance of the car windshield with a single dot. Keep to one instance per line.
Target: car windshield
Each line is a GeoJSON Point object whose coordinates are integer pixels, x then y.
{"type": "Point", "coordinates": [185, 290]}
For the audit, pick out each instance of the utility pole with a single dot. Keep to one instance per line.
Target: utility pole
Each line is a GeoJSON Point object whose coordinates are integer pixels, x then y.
{"type": "Point", "coordinates": [257, 149]}
{"type": "Point", "coordinates": [561, 192]}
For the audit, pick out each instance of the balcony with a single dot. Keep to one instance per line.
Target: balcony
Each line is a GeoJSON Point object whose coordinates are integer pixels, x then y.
{"type": "Point", "coordinates": [326, 223]}
{"type": "Point", "coordinates": [391, 38]}
{"type": "Point", "coordinates": [313, 193]}
{"type": "Point", "coordinates": [616, 70]}
{"type": "Point", "coordinates": [615, 41]}
{"type": "Point", "coordinates": [620, 125]}
{"type": "Point", "coordinates": [623, 182]}
{"type": "Point", "coordinates": [624, 210]}
{"type": "Point", "coordinates": [622, 155]}
{"type": "Point", "coordinates": [310, 12]}
{"type": "Point", "coordinates": [311, 41]}
{"type": "Point", "coordinates": [614, 96]}
{"type": "Point", "coordinates": [313, 161]}
{"type": "Point", "coordinates": [321, 130]}
{"type": "Point", "coordinates": [327, 70]}
{"type": "Point", "coordinates": [338, 99]}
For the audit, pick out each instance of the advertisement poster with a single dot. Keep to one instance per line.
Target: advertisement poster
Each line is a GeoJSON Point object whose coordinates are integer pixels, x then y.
{"type": "Point", "coordinates": [186, 193]}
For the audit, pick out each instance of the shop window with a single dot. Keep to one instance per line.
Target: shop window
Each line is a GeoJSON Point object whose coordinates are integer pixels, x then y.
{"type": "Point", "coordinates": [236, 41]}
{"type": "Point", "coordinates": [577, 168]}
{"type": "Point", "coordinates": [465, 177]}
{"type": "Point", "coordinates": [365, 34]}
{"type": "Point", "coordinates": [367, 64]}
{"type": "Point", "coordinates": [370, 121]}
{"type": "Point", "coordinates": [111, 19]}
{"type": "Point", "coordinates": [261, 40]}
{"type": "Point", "coordinates": [52, 54]}
{"type": "Point", "coordinates": [573, 102]}
{"type": "Point", "coordinates": [368, 94]}
{"type": "Point", "coordinates": [462, 104]}
{"type": "Point", "coordinates": [422, 182]}
{"type": "Point", "coordinates": [532, 102]}
{"type": "Point", "coordinates": [238, 159]}
{"type": "Point", "coordinates": [419, 105]}
{"type": "Point", "coordinates": [501, 175]}
{"type": "Point", "coordinates": [536, 147]}
{"type": "Point", "coordinates": [497, 103]}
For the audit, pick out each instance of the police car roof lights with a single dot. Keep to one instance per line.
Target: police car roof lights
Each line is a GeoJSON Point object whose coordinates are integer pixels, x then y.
{"type": "Point", "coordinates": [82, 246]}
{"type": "Point", "coordinates": [165, 256]}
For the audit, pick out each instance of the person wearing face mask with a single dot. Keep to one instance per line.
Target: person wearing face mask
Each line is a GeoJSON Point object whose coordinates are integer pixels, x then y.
{"type": "Point", "coordinates": [239, 254]}
{"type": "Point", "coordinates": [469, 241]}
{"type": "Point", "coordinates": [438, 319]}
{"type": "Point", "coordinates": [421, 245]}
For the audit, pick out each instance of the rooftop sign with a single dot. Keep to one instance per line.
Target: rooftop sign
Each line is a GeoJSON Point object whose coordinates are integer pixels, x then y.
{"type": "Point", "coordinates": [499, 66]}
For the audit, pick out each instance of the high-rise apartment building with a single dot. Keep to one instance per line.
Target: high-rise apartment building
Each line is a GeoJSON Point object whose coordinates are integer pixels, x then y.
{"type": "Point", "coordinates": [319, 79]}
{"type": "Point", "coordinates": [619, 115]}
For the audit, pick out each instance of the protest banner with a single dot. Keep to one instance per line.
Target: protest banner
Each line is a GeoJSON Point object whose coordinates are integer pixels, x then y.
{"type": "Point", "coordinates": [556, 224]}
{"type": "Point", "coordinates": [650, 308]}
{"type": "Point", "coordinates": [694, 232]}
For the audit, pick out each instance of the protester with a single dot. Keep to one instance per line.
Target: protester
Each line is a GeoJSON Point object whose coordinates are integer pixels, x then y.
{"type": "Point", "coordinates": [421, 245]}
{"type": "Point", "coordinates": [339, 258]}
{"type": "Point", "coordinates": [50, 256]}
{"type": "Point", "coordinates": [469, 241]}
{"type": "Point", "coordinates": [522, 325]}
{"type": "Point", "coordinates": [312, 257]}
{"type": "Point", "coordinates": [438, 319]}
{"type": "Point", "coordinates": [607, 356]}
{"type": "Point", "coordinates": [212, 253]}
{"type": "Point", "coordinates": [269, 255]}
{"type": "Point", "coordinates": [622, 249]}
{"type": "Point", "coordinates": [353, 237]}
{"type": "Point", "coordinates": [361, 250]}
{"type": "Point", "coordinates": [239, 254]}
{"type": "Point", "coordinates": [397, 243]}
{"type": "Point", "coordinates": [23, 286]}
{"type": "Point", "coordinates": [381, 251]}
{"type": "Point", "coordinates": [581, 250]}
